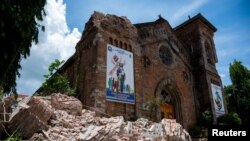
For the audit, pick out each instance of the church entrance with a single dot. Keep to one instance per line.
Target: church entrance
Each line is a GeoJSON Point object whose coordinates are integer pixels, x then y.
{"type": "Point", "coordinates": [169, 94]}
{"type": "Point", "coordinates": [167, 107]}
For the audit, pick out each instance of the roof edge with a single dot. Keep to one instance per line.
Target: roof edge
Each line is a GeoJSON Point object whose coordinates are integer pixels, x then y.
{"type": "Point", "coordinates": [160, 19]}
{"type": "Point", "coordinates": [196, 17]}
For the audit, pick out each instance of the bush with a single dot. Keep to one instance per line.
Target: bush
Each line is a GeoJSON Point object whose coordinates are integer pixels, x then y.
{"type": "Point", "coordinates": [152, 105]}
{"type": "Point", "coordinates": [229, 119]}
{"type": "Point", "coordinates": [56, 83]}
{"type": "Point", "coordinates": [14, 137]}
{"type": "Point", "coordinates": [206, 118]}
{"type": "Point", "coordinates": [196, 131]}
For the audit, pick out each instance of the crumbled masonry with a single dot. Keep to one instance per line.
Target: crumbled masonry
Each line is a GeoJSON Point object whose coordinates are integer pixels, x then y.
{"type": "Point", "coordinates": [58, 118]}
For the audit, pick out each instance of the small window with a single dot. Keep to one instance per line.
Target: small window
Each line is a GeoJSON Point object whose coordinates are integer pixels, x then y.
{"type": "Point", "coordinates": [125, 46]}
{"type": "Point", "coordinates": [129, 48]}
{"type": "Point", "coordinates": [120, 44]}
{"type": "Point", "coordinates": [190, 48]}
{"type": "Point", "coordinates": [209, 54]}
{"type": "Point", "coordinates": [116, 43]}
{"type": "Point", "coordinates": [110, 41]}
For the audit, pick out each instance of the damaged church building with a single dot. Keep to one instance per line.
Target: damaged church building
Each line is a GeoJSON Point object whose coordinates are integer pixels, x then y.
{"type": "Point", "coordinates": [119, 67]}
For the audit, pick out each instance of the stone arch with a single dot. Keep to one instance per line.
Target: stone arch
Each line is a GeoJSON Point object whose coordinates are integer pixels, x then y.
{"type": "Point", "coordinates": [168, 85]}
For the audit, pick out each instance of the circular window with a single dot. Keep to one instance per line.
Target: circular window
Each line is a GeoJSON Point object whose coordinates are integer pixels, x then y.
{"type": "Point", "coordinates": [165, 55]}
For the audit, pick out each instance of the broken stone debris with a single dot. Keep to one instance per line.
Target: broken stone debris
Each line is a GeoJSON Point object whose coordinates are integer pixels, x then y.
{"type": "Point", "coordinates": [88, 127]}
{"type": "Point", "coordinates": [53, 122]}
{"type": "Point", "coordinates": [69, 104]}
{"type": "Point", "coordinates": [31, 119]}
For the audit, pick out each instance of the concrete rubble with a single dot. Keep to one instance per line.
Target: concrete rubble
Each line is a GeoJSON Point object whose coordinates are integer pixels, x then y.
{"type": "Point", "coordinates": [53, 123]}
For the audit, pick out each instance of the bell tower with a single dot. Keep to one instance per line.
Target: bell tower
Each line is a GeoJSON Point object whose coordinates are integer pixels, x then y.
{"type": "Point", "coordinates": [197, 34]}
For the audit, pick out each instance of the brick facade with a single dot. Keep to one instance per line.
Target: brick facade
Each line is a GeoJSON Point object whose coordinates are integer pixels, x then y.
{"type": "Point", "coordinates": [186, 78]}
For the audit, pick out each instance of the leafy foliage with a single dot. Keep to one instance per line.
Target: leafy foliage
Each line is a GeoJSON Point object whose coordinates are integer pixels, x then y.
{"type": "Point", "coordinates": [238, 94]}
{"type": "Point", "coordinates": [134, 117]}
{"type": "Point", "coordinates": [229, 119]}
{"type": "Point", "coordinates": [199, 131]}
{"type": "Point", "coordinates": [152, 105]}
{"type": "Point", "coordinates": [14, 137]}
{"type": "Point", "coordinates": [1, 93]}
{"type": "Point", "coordinates": [206, 118]}
{"type": "Point", "coordinates": [54, 82]}
{"type": "Point", "coordinates": [19, 28]}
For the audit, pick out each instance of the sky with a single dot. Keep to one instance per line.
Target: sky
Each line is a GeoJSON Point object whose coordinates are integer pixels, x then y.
{"type": "Point", "coordinates": [65, 21]}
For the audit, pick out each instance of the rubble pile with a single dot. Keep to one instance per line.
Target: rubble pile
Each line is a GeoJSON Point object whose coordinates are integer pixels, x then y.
{"type": "Point", "coordinates": [66, 123]}
{"type": "Point", "coordinates": [88, 127]}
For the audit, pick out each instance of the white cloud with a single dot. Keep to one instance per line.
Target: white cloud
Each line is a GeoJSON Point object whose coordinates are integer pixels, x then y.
{"type": "Point", "coordinates": [57, 42]}
{"type": "Point", "coordinates": [188, 9]}
{"type": "Point", "coordinates": [222, 39]}
{"type": "Point", "coordinates": [222, 75]}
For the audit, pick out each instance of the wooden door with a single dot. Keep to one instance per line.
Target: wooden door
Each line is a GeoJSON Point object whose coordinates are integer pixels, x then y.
{"type": "Point", "coordinates": [167, 111]}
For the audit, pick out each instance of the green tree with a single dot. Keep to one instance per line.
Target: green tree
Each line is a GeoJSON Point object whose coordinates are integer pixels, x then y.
{"type": "Point", "coordinates": [153, 105]}
{"type": "Point", "coordinates": [55, 82]}
{"type": "Point", "coordinates": [206, 118]}
{"type": "Point", "coordinates": [18, 29]}
{"type": "Point", "coordinates": [238, 94]}
{"type": "Point", "coordinates": [229, 119]}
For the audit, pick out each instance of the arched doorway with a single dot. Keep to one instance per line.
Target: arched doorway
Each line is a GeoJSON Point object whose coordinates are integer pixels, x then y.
{"type": "Point", "coordinates": [171, 104]}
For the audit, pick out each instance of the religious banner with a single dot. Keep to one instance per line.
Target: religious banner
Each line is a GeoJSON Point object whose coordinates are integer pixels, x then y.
{"type": "Point", "coordinates": [218, 100]}
{"type": "Point", "coordinates": [120, 75]}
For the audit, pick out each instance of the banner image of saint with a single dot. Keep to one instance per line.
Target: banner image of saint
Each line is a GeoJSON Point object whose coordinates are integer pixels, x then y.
{"type": "Point", "coordinates": [120, 75]}
{"type": "Point", "coordinates": [217, 100]}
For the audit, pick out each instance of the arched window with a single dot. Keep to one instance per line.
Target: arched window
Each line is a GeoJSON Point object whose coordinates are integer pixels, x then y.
{"type": "Point", "coordinates": [125, 46]}
{"type": "Point", "coordinates": [166, 97]}
{"type": "Point", "coordinates": [190, 48]}
{"type": "Point", "coordinates": [116, 43]}
{"type": "Point", "coordinates": [129, 48]}
{"type": "Point", "coordinates": [120, 44]}
{"type": "Point", "coordinates": [209, 55]}
{"type": "Point", "coordinates": [110, 41]}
